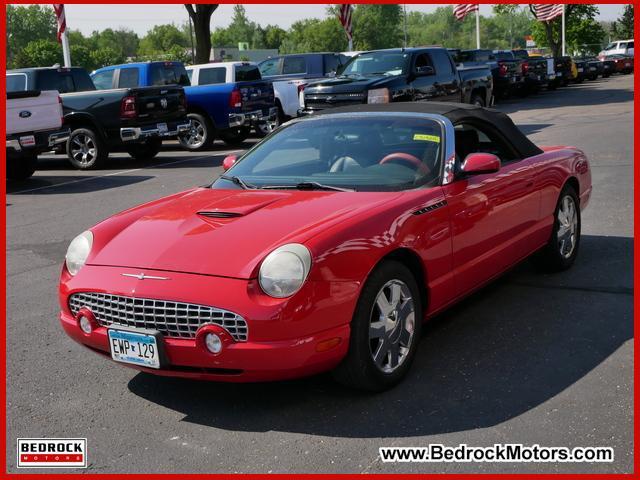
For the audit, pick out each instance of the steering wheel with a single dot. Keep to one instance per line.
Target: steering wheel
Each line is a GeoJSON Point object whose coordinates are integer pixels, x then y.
{"type": "Point", "coordinates": [407, 157]}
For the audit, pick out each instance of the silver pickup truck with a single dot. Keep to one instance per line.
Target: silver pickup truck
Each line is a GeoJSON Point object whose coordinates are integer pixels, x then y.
{"type": "Point", "coordinates": [34, 125]}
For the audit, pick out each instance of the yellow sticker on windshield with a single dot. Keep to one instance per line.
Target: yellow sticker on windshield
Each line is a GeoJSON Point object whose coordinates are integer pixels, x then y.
{"type": "Point", "coordinates": [426, 138]}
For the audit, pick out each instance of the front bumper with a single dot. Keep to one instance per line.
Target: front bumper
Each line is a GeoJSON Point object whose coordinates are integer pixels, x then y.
{"type": "Point", "coordinates": [251, 119]}
{"type": "Point", "coordinates": [285, 337]}
{"type": "Point", "coordinates": [156, 130]}
{"type": "Point", "coordinates": [42, 141]}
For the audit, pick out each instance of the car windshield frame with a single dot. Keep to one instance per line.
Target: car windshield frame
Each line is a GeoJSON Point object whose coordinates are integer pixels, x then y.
{"type": "Point", "coordinates": [377, 54]}
{"type": "Point", "coordinates": [445, 151]}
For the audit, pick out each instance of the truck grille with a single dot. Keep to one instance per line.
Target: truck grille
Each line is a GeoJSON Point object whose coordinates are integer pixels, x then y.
{"type": "Point", "coordinates": [172, 319]}
{"type": "Point", "coordinates": [318, 101]}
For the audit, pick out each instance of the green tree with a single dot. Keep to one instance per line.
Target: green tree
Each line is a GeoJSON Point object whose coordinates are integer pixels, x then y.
{"type": "Point", "coordinates": [377, 26]}
{"type": "Point", "coordinates": [162, 38]}
{"type": "Point", "coordinates": [623, 27]}
{"type": "Point", "coordinates": [315, 35]}
{"type": "Point", "coordinates": [583, 33]}
{"type": "Point", "coordinates": [39, 53]}
{"type": "Point", "coordinates": [274, 36]}
{"type": "Point", "coordinates": [241, 29]}
{"type": "Point", "coordinates": [27, 24]}
{"type": "Point", "coordinates": [510, 24]}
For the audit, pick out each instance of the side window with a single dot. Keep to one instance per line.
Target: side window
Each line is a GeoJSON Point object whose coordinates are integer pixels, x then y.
{"type": "Point", "coordinates": [472, 139]}
{"type": "Point", "coordinates": [270, 67]}
{"type": "Point", "coordinates": [331, 64]}
{"type": "Point", "coordinates": [442, 63]}
{"type": "Point", "coordinates": [210, 76]}
{"type": "Point", "coordinates": [128, 78]}
{"type": "Point", "coordinates": [630, 45]}
{"type": "Point", "coordinates": [422, 60]}
{"type": "Point", "coordinates": [294, 65]}
{"type": "Point", "coordinates": [103, 80]}
{"type": "Point", "coordinates": [66, 84]}
{"type": "Point", "coordinates": [16, 82]}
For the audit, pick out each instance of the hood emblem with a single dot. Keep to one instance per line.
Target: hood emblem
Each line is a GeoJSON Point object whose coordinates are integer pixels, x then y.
{"type": "Point", "coordinates": [142, 276]}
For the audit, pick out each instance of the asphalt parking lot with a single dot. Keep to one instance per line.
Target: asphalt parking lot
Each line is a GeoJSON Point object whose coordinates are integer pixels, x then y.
{"type": "Point", "coordinates": [531, 359]}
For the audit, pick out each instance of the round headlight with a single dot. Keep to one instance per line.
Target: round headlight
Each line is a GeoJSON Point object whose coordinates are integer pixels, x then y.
{"type": "Point", "coordinates": [284, 270]}
{"type": "Point", "coordinates": [78, 252]}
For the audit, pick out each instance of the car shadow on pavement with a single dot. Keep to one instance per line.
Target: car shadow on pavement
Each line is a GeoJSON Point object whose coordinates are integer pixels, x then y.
{"type": "Point", "coordinates": [530, 129]}
{"type": "Point", "coordinates": [59, 184]}
{"type": "Point", "coordinates": [505, 350]}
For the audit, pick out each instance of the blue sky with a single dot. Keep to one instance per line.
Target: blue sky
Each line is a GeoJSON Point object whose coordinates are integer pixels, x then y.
{"type": "Point", "coordinates": [140, 17]}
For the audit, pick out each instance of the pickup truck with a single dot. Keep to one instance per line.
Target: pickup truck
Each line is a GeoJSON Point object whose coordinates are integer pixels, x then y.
{"type": "Point", "coordinates": [286, 93]}
{"type": "Point", "coordinates": [227, 110]}
{"type": "Point", "coordinates": [34, 125]}
{"type": "Point", "coordinates": [534, 70]}
{"type": "Point", "coordinates": [130, 119]}
{"type": "Point", "coordinates": [401, 75]}
{"type": "Point", "coordinates": [506, 78]}
{"type": "Point", "coordinates": [295, 71]}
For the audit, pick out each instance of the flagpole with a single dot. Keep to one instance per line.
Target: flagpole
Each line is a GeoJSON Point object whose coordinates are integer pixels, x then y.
{"type": "Point", "coordinates": [66, 54]}
{"type": "Point", "coordinates": [478, 28]}
{"type": "Point", "coordinates": [564, 48]}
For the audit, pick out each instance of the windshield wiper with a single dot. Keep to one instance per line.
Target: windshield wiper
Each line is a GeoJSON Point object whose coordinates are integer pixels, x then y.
{"type": "Point", "coordinates": [308, 186]}
{"type": "Point", "coordinates": [239, 181]}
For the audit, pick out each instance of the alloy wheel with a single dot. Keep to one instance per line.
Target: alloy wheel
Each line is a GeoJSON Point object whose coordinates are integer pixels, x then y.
{"type": "Point", "coordinates": [567, 226]}
{"type": "Point", "coordinates": [83, 149]}
{"type": "Point", "coordinates": [194, 138]}
{"type": "Point", "coordinates": [392, 325]}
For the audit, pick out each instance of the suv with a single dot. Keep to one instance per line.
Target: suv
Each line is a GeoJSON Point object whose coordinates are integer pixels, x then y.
{"type": "Point", "coordinates": [619, 47]}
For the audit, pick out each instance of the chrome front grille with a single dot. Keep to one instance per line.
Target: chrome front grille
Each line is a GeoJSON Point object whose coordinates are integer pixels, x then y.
{"type": "Point", "coordinates": [173, 319]}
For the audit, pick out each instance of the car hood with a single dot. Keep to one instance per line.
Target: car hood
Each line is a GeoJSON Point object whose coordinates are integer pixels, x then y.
{"type": "Point", "coordinates": [348, 84]}
{"type": "Point", "coordinates": [221, 232]}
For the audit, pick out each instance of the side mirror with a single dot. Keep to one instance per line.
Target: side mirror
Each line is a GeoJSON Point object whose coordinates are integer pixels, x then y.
{"type": "Point", "coordinates": [480, 163]}
{"type": "Point", "coordinates": [228, 162]}
{"type": "Point", "coordinates": [424, 71]}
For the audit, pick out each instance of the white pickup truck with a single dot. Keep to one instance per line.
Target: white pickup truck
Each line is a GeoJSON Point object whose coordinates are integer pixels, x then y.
{"type": "Point", "coordinates": [34, 125]}
{"type": "Point", "coordinates": [286, 92]}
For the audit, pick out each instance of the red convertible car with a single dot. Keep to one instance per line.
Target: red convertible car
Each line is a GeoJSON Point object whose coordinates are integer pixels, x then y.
{"type": "Point", "coordinates": [325, 246]}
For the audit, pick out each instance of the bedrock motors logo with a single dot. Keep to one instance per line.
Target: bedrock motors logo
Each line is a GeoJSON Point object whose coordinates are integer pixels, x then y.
{"type": "Point", "coordinates": [52, 452]}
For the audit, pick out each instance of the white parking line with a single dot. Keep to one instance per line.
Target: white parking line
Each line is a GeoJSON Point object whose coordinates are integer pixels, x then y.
{"type": "Point", "coordinates": [86, 179]}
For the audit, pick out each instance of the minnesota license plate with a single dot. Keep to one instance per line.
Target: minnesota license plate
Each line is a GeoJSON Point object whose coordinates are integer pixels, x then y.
{"type": "Point", "coordinates": [162, 128]}
{"type": "Point", "coordinates": [28, 141]}
{"type": "Point", "coordinates": [135, 348]}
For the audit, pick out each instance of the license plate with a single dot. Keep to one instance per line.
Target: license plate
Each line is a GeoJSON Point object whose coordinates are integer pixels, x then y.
{"type": "Point", "coordinates": [162, 128]}
{"type": "Point", "coordinates": [580, 70]}
{"type": "Point", "coordinates": [28, 141]}
{"type": "Point", "coordinates": [135, 348]}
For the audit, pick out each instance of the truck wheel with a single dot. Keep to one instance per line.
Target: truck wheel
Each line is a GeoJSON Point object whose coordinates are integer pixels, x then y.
{"type": "Point", "coordinates": [85, 149]}
{"type": "Point", "coordinates": [201, 134]}
{"type": "Point", "coordinates": [477, 100]}
{"type": "Point", "coordinates": [385, 330]}
{"type": "Point", "coordinates": [264, 129]}
{"type": "Point", "coordinates": [235, 136]}
{"type": "Point", "coordinates": [21, 167]}
{"type": "Point", "coordinates": [146, 150]}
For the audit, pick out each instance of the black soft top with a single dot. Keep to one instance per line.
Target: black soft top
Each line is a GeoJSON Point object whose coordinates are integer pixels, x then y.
{"type": "Point", "coordinates": [457, 113]}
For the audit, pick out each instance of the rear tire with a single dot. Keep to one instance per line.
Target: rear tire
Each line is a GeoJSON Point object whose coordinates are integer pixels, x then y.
{"type": "Point", "coordinates": [562, 249]}
{"type": "Point", "coordinates": [22, 166]}
{"type": "Point", "coordinates": [235, 136]}
{"type": "Point", "coordinates": [385, 330]}
{"type": "Point", "coordinates": [85, 149]}
{"type": "Point", "coordinates": [201, 134]}
{"type": "Point", "coordinates": [146, 150]}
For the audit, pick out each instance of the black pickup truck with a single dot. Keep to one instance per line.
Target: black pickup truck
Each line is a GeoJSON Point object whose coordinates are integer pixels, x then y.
{"type": "Point", "coordinates": [126, 119]}
{"type": "Point", "coordinates": [400, 75]}
{"type": "Point", "coordinates": [506, 76]}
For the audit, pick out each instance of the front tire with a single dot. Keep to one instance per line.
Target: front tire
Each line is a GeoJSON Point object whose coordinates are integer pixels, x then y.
{"type": "Point", "coordinates": [85, 149]}
{"type": "Point", "coordinates": [562, 248]}
{"type": "Point", "coordinates": [385, 330]}
{"type": "Point", "coordinates": [21, 167]}
{"type": "Point", "coordinates": [146, 150]}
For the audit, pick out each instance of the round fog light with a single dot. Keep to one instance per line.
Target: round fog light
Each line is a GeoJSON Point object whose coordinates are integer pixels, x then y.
{"type": "Point", "coordinates": [213, 343]}
{"type": "Point", "coordinates": [85, 324]}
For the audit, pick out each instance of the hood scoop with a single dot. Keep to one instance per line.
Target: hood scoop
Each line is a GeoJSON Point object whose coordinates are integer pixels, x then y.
{"type": "Point", "coordinates": [219, 214]}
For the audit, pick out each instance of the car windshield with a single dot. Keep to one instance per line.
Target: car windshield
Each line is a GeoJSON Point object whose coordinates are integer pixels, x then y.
{"type": "Point", "coordinates": [352, 152]}
{"type": "Point", "coordinates": [378, 63]}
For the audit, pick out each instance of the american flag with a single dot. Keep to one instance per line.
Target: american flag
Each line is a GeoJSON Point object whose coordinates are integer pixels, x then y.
{"type": "Point", "coordinates": [62, 21]}
{"type": "Point", "coordinates": [545, 12]}
{"type": "Point", "coordinates": [345, 17]}
{"type": "Point", "coordinates": [461, 10]}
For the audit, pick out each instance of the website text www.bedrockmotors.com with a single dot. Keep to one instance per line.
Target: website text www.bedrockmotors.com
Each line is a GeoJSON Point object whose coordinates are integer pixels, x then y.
{"type": "Point", "coordinates": [496, 453]}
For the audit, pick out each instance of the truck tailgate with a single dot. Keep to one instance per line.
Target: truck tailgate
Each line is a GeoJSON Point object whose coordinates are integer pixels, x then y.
{"type": "Point", "coordinates": [256, 95]}
{"type": "Point", "coordinates": [32, 111]}
{"type": "Point", "coordinates": [159, 103]}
